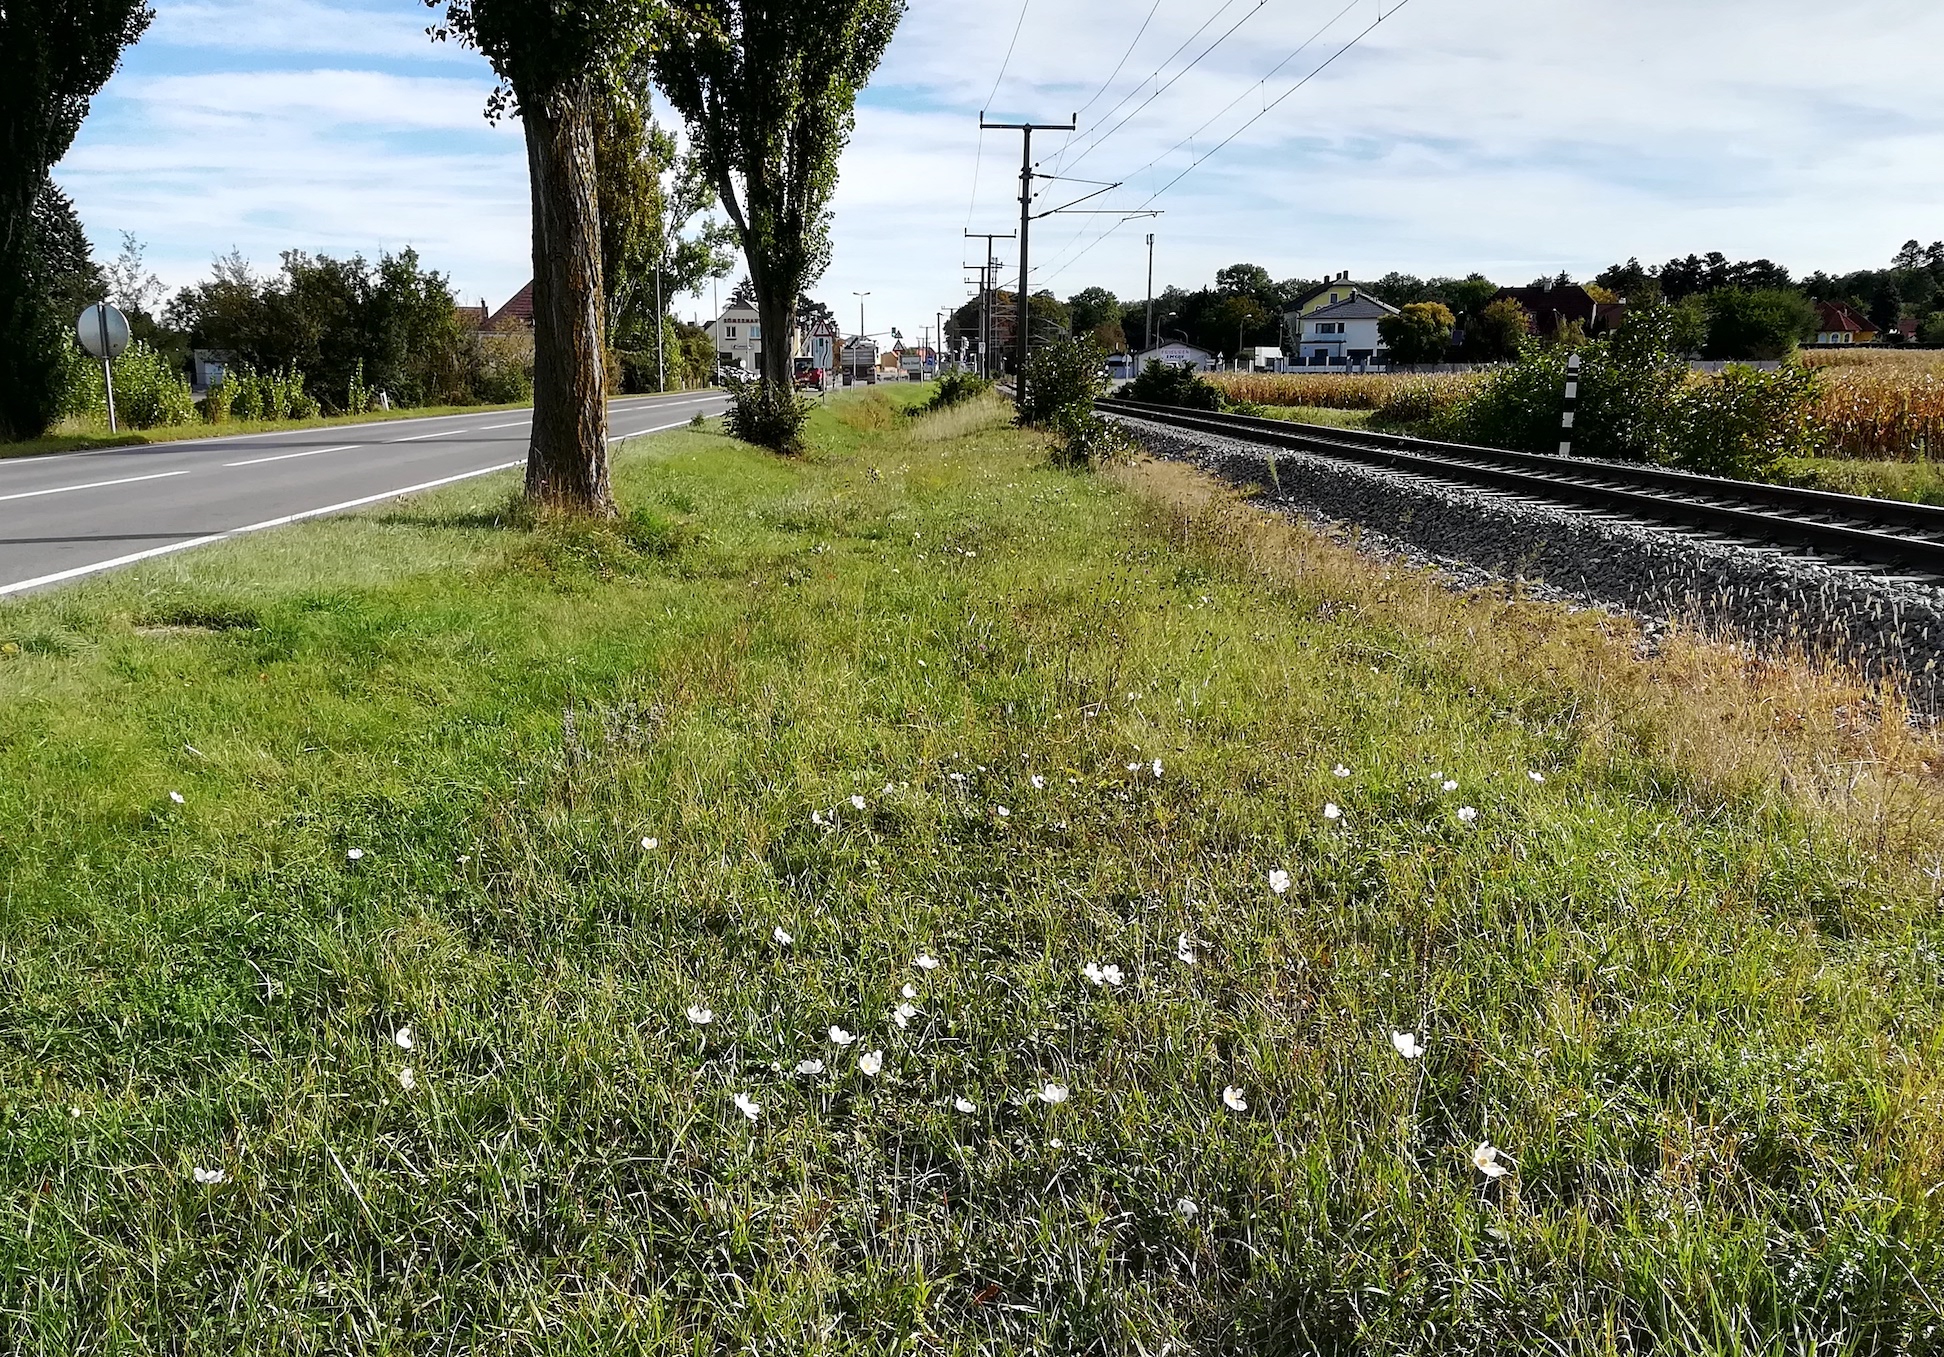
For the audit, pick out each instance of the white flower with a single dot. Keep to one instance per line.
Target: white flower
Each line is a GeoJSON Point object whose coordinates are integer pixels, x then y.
{"type": "Point", "coordinates": [1002, 812]}
{"type": "Point", "coordinates": [1450, 785]}
{"type": "Point", "coordinates": [355, 854]}
{"type": "Point", "coordinates": [783, 939]}
{"type": "Point", "coordinates": [210, 1177]}
{"type": "Point", "coordinates": [1407, 1044]}
{"type": "Point", "coordinates": [403, 1038]}
{"type": "Point", "coordinates": [816, 818]}
{"type": "Point", "coordinates": [406, 1080]}
{"type": "Point", "coordinates": [176, 797]}
{"type": "Point", "coordinates": [650, 845]}
{"type": "Point", "coordinates": [700, 1016]}
{"type": "Point", "coordinates": [1039, 783]}
{"type": "Point", "coordinates": [747, 1106]}
{"type": "Point", "coordinates": [1466, 815]}
{"type": "Point", "coordinates": [903, 1014]}
{"type": "Point", "coordinates": [1052, 1093]}
{"type": "Point", "coordinates": [1537, 777]}
{"type": "Point", "coordinates": [888, 789]}
{"type": "Point", "coordinates": [1187, 1209]}
{"type": "Point", "coordinates": [1278, 880]}
{"type": "Point", "coordinates": [857, 803]}
{"type": "Point", "coordinates": [1485, 1158]}
{"type": "Point", "coordinates": [1184, 948]}
{"type": "Point", "coordinates": [810, 1067]}
{"type": "Point", "coordinates": [840, 1037]}
{"type": "Point", "coordinates": [965, 1105]}
{"type": "Point", "coordinates": [1133, 767]}
{"type": "Point", "coordinates": [870, 1062]}
{"type": "Point", "coordinates": [1332, 811]}
{"type": "Point", "coordinates": [1102, 975]}
{"type": "Point", "coordinates": [1341, 771]}
{"type": "Point", "coordinates": [74, 1111]}
{"type": "Point", "coordinates": [909, 991]}
{"type": "Point", "coordinates": [1056, 1142]}
{"type": "Point", "coordinates": [1233, 1097]}
{"type": "Point", "coordinates": [1157, 768]}
{"type": "Point", "coordinates": [925, 961]}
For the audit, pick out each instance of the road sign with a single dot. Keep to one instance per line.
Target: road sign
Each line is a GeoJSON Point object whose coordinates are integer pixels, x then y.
{"type": "Point", "coordinates": [103, 331]}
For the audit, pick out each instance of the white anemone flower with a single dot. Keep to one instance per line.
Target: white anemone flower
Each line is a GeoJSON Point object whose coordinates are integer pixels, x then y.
{"type": "Point", "coordinates": [1185, 948]}
{"type": "Point", "coordinates": [870, 1062]}
{"type": "Point", "coordinates": [1466, 815]}
{"type": "Point", "coordinates": [1485, 1159]}
{"type": "Point", "coordinates": [1039, 783]}
{"type": "Point", "coordinates": [1279, 881]}
{"type": "Point", "coordinates": [810, 1067]}
{"type": "Point", "coordinates": [1341, 771]}
{"type": "Point", "coordinates": [925, 961]}
{"type": "Point", "coordinates": [903, 1014]}
{"type": "Point", "coordinates": [782, 939]}
{"type": "Point", "coordinates": [210, 1177]}
{"type": "Point", "coordinates": [910, 991]}
{"type": "Point", "coordinates": [1157, 768]}
{"type": "Point", "coordinates": [964, 1105]}
{"type": "Point", "coordinates": [1232, 1096]}
{"type": "Point", "coordinates": [1450, 785]}
{"type": "Point", "coordinates": [406, 1080]}
{"type": "Point", "coordinates": [1537, 777]}
{"type": "Point", "coordinates": [747, 1105]}
{"type": "Point", "coordinates": [403, 1038]}
{"type": "Point", "coordinates": [700, 1016]}
{"type": "Point", "coordinates": [857, 803]}
{"type": "Point", "coordinates": [1053, 1093]}
{"type": "Point", "coordinates": [817, 819]}
{"type": "Point", "coordinates": [1002, 812]}
{"type": "Point", "coordinates": [176, 797]}
{"type": "Point", "coordinates": [839, 1037]}
{"type": "Point", "coordinates": [1407, 1044]}
{"type": "Point", "coordinates": [1332, 811]}
{"type": "Point", "coordinates": [650, 845]}
{"type": "Point", "coordinates": [1093, 972]}
{"type": "Point", "coordinates": [1187, 1209]}
{"type": "Point", "coordinates": [1133, 767]}
{"type": "Point", "coordinates": [355, 855]}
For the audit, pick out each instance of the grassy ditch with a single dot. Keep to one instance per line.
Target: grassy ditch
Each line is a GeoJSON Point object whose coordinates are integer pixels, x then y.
{"type": "Point", "coordinates": [442, 881]}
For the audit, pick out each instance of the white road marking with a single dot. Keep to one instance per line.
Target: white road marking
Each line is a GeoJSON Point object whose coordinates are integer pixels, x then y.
{"type": "Point", "coordinates": [94, 485]}
{"type": "Point", "coordinates": [421, 437]}
{"type": "Point", "coordinates": [79, 571]}
{"type": "Point", "coordinates": [286, 456]}
{"type": "Point", "coordinates": [514, 425]}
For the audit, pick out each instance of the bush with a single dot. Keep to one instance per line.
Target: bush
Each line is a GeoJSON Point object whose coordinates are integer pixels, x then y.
{"type": "Point", "coordinates": [218, 400]}
{"type": "Point", "coordinates": [1745, 422]}
{"type": "Point", "coordinates": [956, 388]}
{"type": "Point", "coordinates": [1420, 333]}
{"type": "Point", "coordinates": [1768, 323]}
{"type": "Point", "coordinates": [1174, 384]}
{"type": "Point", "coordinates": [269, 396]}
{"type": "Point", "coordinates": [1083, 439]}
{"type": "Point", "coordinates": [769, 414]}
{"type": "Point", "coordinates": [1063, 375]}
{"type": "Point", "coordinates": [149, 394]}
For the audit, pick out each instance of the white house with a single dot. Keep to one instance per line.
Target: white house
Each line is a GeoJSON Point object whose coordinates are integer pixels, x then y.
{"type": "Point", "coordinates": [1343, 334]}
{"type": "Point", "coordinates": [1262, 358]}
{"type": "Point", "coordinates": [1174, 353]}
{"type": "Point", "coordinates": [738, 336]}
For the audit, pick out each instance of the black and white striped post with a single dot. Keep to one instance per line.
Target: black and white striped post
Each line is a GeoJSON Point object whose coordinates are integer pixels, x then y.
{"type": "Point", "coordinates": [1572, 402]}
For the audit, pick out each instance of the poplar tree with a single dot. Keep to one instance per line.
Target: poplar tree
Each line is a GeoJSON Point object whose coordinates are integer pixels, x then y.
{"type": "Point", "coordinates": [768, 89]}
{"type": "Point", "coordinates": [558, 61]}
{"type": "Point", "coordinates": [55, 55]}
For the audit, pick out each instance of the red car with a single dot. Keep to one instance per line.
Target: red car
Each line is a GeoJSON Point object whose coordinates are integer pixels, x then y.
{"type": "Point", "coordinates": [810, 379]}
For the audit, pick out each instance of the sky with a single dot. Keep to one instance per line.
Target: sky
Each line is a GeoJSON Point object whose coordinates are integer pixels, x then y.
{"type": "Point", "coordinates": [1511, 137]}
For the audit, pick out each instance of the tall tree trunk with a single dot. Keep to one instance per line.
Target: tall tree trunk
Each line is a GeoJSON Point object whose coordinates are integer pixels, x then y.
{"type": "Point", "coordinates": [567, 461]}
{"type": "Point", "coordinates": [776, 310]}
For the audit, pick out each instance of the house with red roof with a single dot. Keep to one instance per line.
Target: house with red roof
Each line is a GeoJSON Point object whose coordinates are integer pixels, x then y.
{"type": "Point", "coordinates": [1840, 323]}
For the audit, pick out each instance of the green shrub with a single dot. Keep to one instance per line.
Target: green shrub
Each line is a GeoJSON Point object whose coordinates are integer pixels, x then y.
{"type": "Point", "coordinates": [1745, 422]}
{"type": "Point", "coordinates": [218, 400]}
{"type": "Point", "coordinates": [1064, 374]}
{"type": "Point", "coordinates": [956, 388]}
{"type": "Point", "coordinates": [1083, 439]}
{"type": "Point", "coordinates": [768, 414]}
{"type": "Point", "coordinates": [1174, 384]}
{"type": "Point", "coordinates": [149, 393]}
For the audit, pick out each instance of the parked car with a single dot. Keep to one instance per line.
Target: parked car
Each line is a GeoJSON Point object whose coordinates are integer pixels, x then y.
{"type": "Point", "coordinates": [810, 379]}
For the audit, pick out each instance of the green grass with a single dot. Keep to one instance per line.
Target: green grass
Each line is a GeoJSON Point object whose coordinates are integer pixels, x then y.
{"type": "Point", "coordinates": [1318, 414]}
{"type": "Point", "coordinates": [1700, 1014]}
{"type": "Point", "coordinates": [1919, 482]}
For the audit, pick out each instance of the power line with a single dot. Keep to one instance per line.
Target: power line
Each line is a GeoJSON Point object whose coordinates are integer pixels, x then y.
{"type": "Point", "coordinates": [979, 158]}
{"type": "Point", "coordinates": [1251, 122]}
{"type": "Point", "coordinates": [1067, 142]}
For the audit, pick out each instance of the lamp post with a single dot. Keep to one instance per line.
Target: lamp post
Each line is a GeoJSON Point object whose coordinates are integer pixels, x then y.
{"type": "Point", "coordinates": [860, 321]}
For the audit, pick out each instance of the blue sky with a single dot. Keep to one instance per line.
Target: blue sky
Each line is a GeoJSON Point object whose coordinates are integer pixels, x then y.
{"type": "Point", "coordinates": [1515, 137]}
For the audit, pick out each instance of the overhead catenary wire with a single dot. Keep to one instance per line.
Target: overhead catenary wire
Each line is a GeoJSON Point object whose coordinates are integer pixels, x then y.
{"type": "Point", "coordinates": [1067, 141]}
{"type": "Point", "coordinates": [979, 158]}
{"type": "Point", "coordinates": [1268, 108]}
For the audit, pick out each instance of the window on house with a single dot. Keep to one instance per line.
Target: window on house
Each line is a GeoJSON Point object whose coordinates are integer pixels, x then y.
{"type": "Point", "coordinates": [729, 331]}
{"type": "Point", "coordinates": [755, 332]}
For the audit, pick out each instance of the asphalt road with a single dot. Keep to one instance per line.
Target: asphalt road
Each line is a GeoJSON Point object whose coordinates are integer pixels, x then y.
{"type": "Point", "coordinates": [75, 514]}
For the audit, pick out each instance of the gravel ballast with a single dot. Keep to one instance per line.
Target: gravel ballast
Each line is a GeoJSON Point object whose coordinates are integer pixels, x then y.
{"type": "Point", "coordinates": [1772, 599]}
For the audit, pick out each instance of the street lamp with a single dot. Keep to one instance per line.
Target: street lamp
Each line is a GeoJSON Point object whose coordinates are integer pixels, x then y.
{"type": "Point", "coordinates": [860, 321]}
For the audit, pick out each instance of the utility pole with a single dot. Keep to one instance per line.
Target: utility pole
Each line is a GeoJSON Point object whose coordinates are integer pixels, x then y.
{"type": "Point", "coordinates": [1147, 332]}
{"type": "Point", "coordinates": [860, 326]}
{"type": "Point", "coordinates": [1022, 341]}
{"type": "Point", "coordinates": [986, 328]}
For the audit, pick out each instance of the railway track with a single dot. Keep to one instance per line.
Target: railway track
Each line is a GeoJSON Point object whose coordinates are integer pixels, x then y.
{"type": "Point", "coordinates": [1907, 538]}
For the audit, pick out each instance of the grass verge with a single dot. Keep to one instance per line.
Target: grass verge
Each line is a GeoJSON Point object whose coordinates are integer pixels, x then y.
{"type": "Point", "coordinates": [509, 856]}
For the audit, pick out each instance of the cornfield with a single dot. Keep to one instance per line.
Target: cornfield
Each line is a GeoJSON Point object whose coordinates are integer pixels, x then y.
{"type": "Point", "coordinates": [1881, 411]}
{"type": "Point", "coordinates": [1345, 392]}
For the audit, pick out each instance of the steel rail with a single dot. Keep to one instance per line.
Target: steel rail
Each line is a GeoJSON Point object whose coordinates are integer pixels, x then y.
{"type": "Point", "coordinates": [1855, 527]}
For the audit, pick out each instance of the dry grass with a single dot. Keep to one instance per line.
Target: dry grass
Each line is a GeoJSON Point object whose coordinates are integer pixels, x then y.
{"type": "Point", "coordinates": [1833, 743]}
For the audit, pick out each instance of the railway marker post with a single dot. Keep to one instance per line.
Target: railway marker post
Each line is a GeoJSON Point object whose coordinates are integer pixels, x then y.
{"type": "Point", "coordinates": [1572, 403]}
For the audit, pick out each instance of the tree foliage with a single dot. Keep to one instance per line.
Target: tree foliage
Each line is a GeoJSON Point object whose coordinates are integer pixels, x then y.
{"type": "Point", "coordinates": [1419, 333]}
{"type": "Point", "coordinates": [768, 92]}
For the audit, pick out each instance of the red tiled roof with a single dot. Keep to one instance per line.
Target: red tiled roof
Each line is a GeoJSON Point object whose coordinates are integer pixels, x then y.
{"type": "Point", "coordinates": [1840, 318]}
{"type": "Point", "coordinates": [519, 308]}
